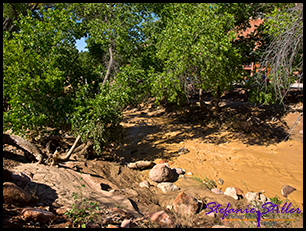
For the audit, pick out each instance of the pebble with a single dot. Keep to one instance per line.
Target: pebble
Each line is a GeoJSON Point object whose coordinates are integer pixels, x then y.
{"type": "Point", "coordinates": [217, 191]}
{"type": "Point", "coordinates": [144, 184]}
{"type": "Point", "coordinates": [220, 181]}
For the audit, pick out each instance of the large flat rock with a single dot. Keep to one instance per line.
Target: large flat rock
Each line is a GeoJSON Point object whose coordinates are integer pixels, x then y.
{"type": "Point", "coordinates": [56, 184]}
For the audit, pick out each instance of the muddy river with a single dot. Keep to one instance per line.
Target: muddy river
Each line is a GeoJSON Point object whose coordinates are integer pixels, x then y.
{"type": "Point", "coordinates": [215, 154]}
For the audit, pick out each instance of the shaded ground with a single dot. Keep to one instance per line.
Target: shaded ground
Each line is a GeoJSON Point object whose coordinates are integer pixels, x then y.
{"type": "Point", "coordinates": [242, 145]}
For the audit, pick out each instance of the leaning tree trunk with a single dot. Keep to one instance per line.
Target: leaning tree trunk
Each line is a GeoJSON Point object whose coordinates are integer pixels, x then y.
{"type": "Point", "coordinates": [24, 145]}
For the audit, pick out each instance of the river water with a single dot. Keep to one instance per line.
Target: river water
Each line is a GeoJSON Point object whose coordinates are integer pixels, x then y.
{"type": "Point", "coordinates": [215, 154]}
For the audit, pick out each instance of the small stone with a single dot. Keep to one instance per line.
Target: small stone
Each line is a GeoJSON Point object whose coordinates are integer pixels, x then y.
{"type": "Point", "coordinates": [144, 184]}
{"type": "Point", "coordinates": [286, 190]}
{"type": "Point", "coordinates": [220, 181]}
{"type": "Point", "coordinates": [189, 173]}
{"type": "Point", "coordinates": [217, 191]}
{"type": "Point", "coordinates": [161, 218]}
{"type": "Point", "coordinates": [212, 214]}
{"type": "Point", "coordinates": [111, 226]}
{"type": "Point", "coordinates": [126, 223]}
{"type": "Point", "coordinates": [36, 214]}
{"type": "Point", "coordinates": [231, 191]}
{"type": "Point", "coordinates": [62, 210]}
{"type": "Point", "coordinates": [220, 226]}
{"type": "Point", "coordinates": [167, 187]}
{"type": "Point", "coordinates": [183, 150]}
{"type": "Point", "coordinates": [178, 170]}
{"type": "Point", "coordinates": [239, 191]}
{"type": "Point", "coordinates": [141, 164]}
{"type": "Point", "coordinates": [92, 225]}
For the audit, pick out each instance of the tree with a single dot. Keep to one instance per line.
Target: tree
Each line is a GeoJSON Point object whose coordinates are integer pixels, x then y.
{"type": "Point", "coordinates": [202, 52]}
{"type": "Point", "coordinates": [38, 64]}
{"type": "Point", "coordinates": [114, 40]}
{"type": "Point", "coordinates": [284, 55]}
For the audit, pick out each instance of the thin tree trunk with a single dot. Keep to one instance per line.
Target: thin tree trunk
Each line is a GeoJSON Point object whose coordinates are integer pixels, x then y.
{"type": "Point", "coordinates": [109, 64]}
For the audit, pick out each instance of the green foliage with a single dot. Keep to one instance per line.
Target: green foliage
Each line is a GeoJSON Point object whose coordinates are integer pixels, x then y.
{"type": "Point", "coordinates": [79, 212]}
{"type": "Point", "coordinates": [200, 51]}
{"type": "Point", "coordinates": [38, 62]}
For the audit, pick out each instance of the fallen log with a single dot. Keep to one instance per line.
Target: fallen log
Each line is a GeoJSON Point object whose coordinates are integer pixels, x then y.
{"type": "Point", "coordinates": [24, 145]}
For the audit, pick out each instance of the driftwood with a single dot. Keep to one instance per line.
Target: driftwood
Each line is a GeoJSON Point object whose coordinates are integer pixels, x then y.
{"type": "Point", "coordinates": [32, 151]}
{"type": "Point", "coordinates": [24, 145]}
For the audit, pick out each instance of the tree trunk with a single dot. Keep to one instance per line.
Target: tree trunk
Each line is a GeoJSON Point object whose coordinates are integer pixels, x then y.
{"type": "Point", "coordinates": [109, 64]}
{"type": "Point", "coordinates": [23, 144]}
{"type": "Point", "coordinates": [215, 101]}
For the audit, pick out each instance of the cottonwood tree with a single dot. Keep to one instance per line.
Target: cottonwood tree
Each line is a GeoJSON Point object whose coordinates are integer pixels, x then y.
{"type": "Point", "coordinates": [38, 63]}
{"type": "Point", "coordinates": [196, 44]}
{"type": "Point", "coordinates": [284, 55]}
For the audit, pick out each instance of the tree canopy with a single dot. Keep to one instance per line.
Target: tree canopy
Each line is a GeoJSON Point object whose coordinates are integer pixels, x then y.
{"type": "Point", "coordinates": [135, 51]}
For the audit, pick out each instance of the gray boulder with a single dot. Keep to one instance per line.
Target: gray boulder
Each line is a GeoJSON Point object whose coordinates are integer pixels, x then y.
{"type": "Point", "coordinates": [161, 173]}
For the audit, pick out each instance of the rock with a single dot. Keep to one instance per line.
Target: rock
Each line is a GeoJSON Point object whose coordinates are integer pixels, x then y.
{"type": "Point", "coordinates": [21, 178]}
{"type": "Point", "coordinates": [217, 191]}
{"type": "Point", "coordinates": [213, 215]}
{"type": "Point", "coordinates": [161, 173]}
{"type": "Point", "coordinates": [286, 190]}
{"type": "Point", "coordinates": [144, 184]}
{"type": "Point", "coordinates": [183, 150]}
{"type": "Point", "coordinates": [220, 181]}
{"type": "Point", "coordinates": [14, 194]}
{"type": "Point", "coordinates": [178, 170]}
{"type": "Point", "coordinates": [35, 214]}
{"type": "Point", "coordinates": [189, 173]}
{"type": "Point", "coordinates": [122, 212]}
{"type": "Point", "coordinates": [111, 226]}
{"type": "Point", "coordinates": [184, 204]}
{"type": "Point", "coordinates": [220, 226]}
{"type": "Point", "coordinates": [168, 187]}
{"type": "Point", "coordinates": [62, 210]}
{"type": "Point", "coordinates": [231, 191]}
{"type": "Point", "coordinates": [239, 191]}
{"type": "Point", "coordinates": [92, 225]}
{"type": "Point", "coordinates": [253, 197]}
{"type": "Point", "coordinates": [126, 223]}
{"type": "Point", "coordinates": [250, 196]}
{"type": "Point", "coordinates": [161, 217]}
{"type": "Point", "coordinates": [141, 164]}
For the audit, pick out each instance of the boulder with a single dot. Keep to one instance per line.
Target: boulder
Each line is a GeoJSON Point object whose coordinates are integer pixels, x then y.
{"type": "Point", "coordinates": [231, 191]}
{"type": "Point", "coordinates": [14, 194]}
{"type": "Point", "coordinates": [161, 217]}
{"type": "Point", "coordinates": [167, 187]}
{"type": "Point", "coordinates": [35, 214]}
{"type": "Point", "coordinates": [184, 204]}
{"type": "Point", "coordinates": [161, 173]}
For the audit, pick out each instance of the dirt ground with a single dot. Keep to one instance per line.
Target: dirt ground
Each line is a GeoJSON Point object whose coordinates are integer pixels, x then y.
{"type": "Point", "coordinates": [243, 146]}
